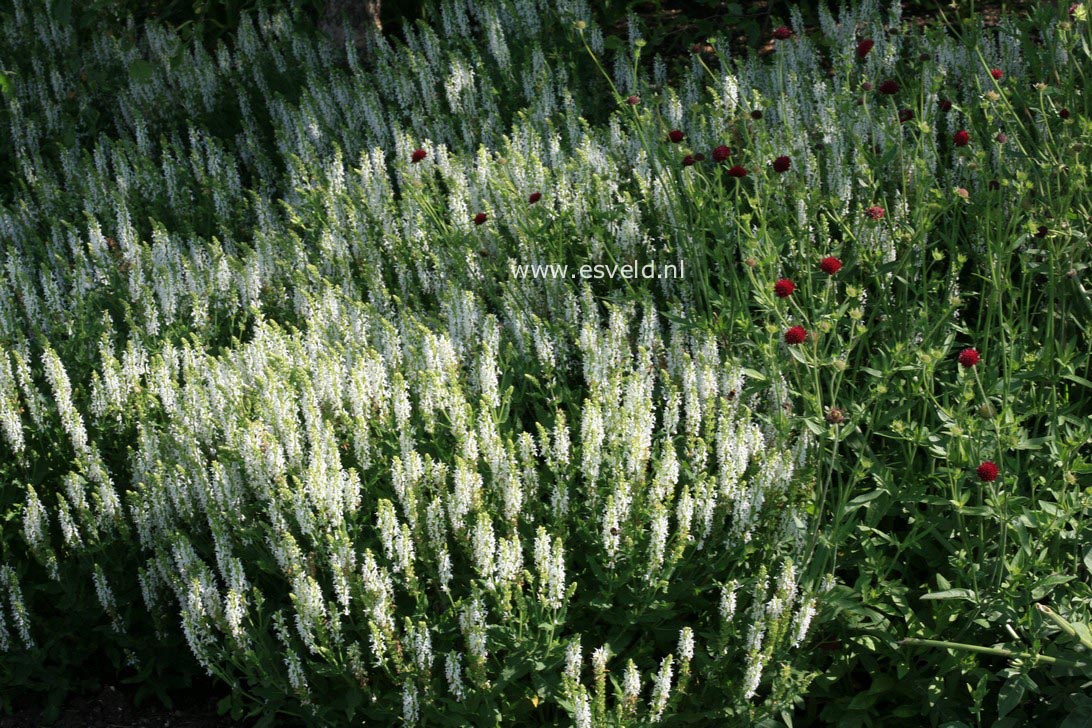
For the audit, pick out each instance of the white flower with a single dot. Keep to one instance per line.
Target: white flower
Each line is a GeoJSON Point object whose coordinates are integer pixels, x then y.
{"type": "Point", "coordinates": [296, 676]}
{"type": "Point", "coordinates": [661, 689]}
{"type": "Point", "coordinates": [453, 669]}
{"type": "Point", "coordinates": [35, 520]}
{"type": "Point", "coordinates": [686, 644]}
{"type": "Point", "coordinates": [483, 548]}
{"type": "Point", "coordinates": [71, 419]}
{"type": "Point", "coordinates": [421, 644]}
{"type": "Point", "coordinates": [803, 622]}
{"type": "Point", "coordinates": [583, 710]}
{"type": "Point", "coordinates": [18, 607]}
{"type": "Point", "coordinates": [549, 558]}
{"type": "Point", "coordinates": [728, 601]}
{"type": "Point", "coordinates": [599, 661]}
{"type": "Point", "coordinates": [631, 682]}
{"type": "Point", "coordinates": [752, 674]}
{"type": "Point", "coordinates": [573, 660]}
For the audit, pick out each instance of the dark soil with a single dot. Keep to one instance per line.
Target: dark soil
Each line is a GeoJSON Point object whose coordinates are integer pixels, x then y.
{"type": "Point", "coordinates": [114, 708]}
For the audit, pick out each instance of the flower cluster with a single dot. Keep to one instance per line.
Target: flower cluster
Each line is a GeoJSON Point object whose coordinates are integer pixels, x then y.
{"type": "Point", "coordinates": [299, 347]}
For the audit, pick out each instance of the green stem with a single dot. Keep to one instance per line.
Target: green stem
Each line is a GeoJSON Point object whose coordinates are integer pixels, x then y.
{"type": "Point", "coordinates": [998, 651]}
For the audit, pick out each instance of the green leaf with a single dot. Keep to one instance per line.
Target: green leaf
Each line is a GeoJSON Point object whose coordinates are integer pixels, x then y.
{"type": "Point", "coordinates": [5, 84]}
{"type": "Point", "coordinates": [862, 499]}
{"type": "Point", "coordinates": [61, 10]}
{"type": "Point", "coordinates": [141, 70]}
{"type": "Point", "coordinates": [967, 594]}
{"type": "Point", "coordinates": [1009, 696]}
{"type": "Point", "coordinates": [754, 374]}
{"type": "Point", "coordinates": [1078, 380]}
{"type": "Point", "coordinates": [1046, 586]}
{"type": "Point", "coordinates": [863, 701]}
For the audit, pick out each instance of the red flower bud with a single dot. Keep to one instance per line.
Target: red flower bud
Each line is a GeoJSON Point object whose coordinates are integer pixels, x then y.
{"type": "Point", "coordinates": [795, 335]}
{"type": "Point", "coordinates": [987, 472]}
{"type": "Point", "coordinates": [889, 87]}
{"type": "Point", "coordinates": [969, 357]}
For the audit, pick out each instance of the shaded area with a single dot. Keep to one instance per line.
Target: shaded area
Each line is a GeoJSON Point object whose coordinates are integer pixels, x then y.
{"type": "Point", "coordinates": [113, 707]}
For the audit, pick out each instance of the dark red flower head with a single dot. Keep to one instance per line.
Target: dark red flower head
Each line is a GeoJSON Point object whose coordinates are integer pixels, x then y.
{"type": "Point", "coordinates": [997, 74]}
{"type": "Point", "coordinates": [830, 265]}
{"type": "Point", "coordinates": [699, 157]}
{"type": "Point", "coordinates": [1002, 137]}
{"type": "Point", "coordinates": [721, 153]}
{"type": "Point", "coordinates": [480, 218]}
{"type": "Point", "coordinates": [784, 288]}
{"type": "Point", "coordinates": [633, 100]}
{"type": "Point", "coordinates": [987, 472]}
{"type": "Point", "coordinates": [781, 164]}
{"type": "Point", "coordinates": [969, 357]}
{"type": "Point", "coordinates": [875, 213]}
{"type": "Point", "coordinates": [961, 138]}
{"type": "Point", "coordinates": [1064, 113]}
{"type": "Point", "coordinates": [782, 33]}
{"type": "Point", "coordinates": [1042, 232]}
{"type": "Point", "coordinates": [756, 114]}
{"type": "Point", "coordinates": [687, 161]}
{"type": "Point", "coordinates": [675, 136]}
{"type": "Point", "coordinates": [795, 335]}
{"type": "Point", "coordinates": [737, 171]}
{"type": "Point", "coordinates": [418, 155]}
{"type": "Point", "coordinates": [945, 105]}
{"type": "Point", "coordinates": [905, 115]}
{"type": "Point", "coordinates": [889, 87]}
{"type": "Point", "coordinates": [864, 46]}
{"type": "Point", "coordinates": [535, 197]}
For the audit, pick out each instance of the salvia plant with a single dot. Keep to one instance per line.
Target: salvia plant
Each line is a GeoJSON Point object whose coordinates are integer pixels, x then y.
{"type": "Point", "coordinates": [289, 394]}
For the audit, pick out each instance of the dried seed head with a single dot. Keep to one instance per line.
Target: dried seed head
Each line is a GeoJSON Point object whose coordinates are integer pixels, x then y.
{"type": "Point", "coordinates": [835, 415]}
